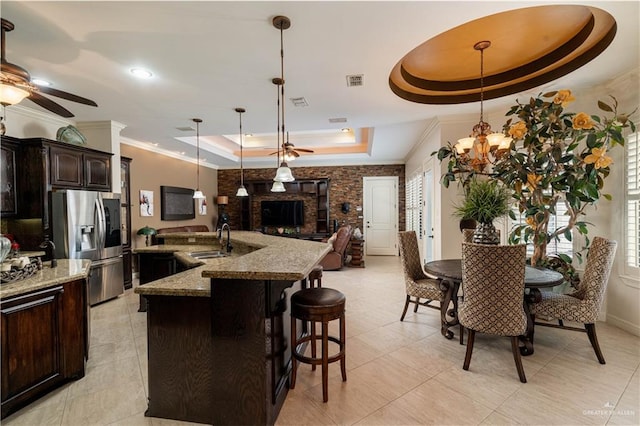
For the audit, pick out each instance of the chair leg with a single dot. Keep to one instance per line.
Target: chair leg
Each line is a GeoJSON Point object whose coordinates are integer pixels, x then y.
{"type": "Point", "coordinates": [294, 362]}
{"type": "Point", "coordinates": [461, 334]}
{"type": "Point", "coordinates": [417, 302]}
{"type": "Point", "coordinates": [516, 357]}
{"type": "Point", "coordinates": [591, 332]}
{"type": "Point", "coordinates": [325, 361]}
{"type": "Point", "coordinates": [406, 305]}
{"type": "Point", "coordinates": [343, 339]}
{"type": "Point", "coordinates": [313, 343]}
{"type": "Point", "coordinates": [470, 339]}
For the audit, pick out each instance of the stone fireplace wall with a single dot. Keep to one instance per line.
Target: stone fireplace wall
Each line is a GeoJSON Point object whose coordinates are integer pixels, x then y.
{"type": "Point", "coordinates": [345, 185]}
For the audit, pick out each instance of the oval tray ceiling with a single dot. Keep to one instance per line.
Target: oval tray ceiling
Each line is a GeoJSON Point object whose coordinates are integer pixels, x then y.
{"type": "Point", "coordinates": [529, 47]}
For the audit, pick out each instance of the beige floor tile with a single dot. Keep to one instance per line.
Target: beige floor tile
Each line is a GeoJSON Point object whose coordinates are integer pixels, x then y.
{"type": "Point", "coordinates": [109, 375]}
{"type": "Point", "coordinates": [46, 410]}
{"type": "Point", "coordinates": [106, 405]}
{"type": "Point", "coordinates": [431, 403]}
{"type": "Point", "coordinates": [299, 410]}
{"type": "Point", "coordinates": [498, 419]}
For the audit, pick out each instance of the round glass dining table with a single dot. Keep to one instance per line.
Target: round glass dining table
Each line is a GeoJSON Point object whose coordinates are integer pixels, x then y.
{"type": "Point", "coordinates": [535, 278]}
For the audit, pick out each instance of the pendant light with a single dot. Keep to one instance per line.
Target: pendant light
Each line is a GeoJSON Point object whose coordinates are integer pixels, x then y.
{"type": "Point", "coordinates": [242, 191]}
{"type": "Point", "coordinates": [197, 194]}
{"type": "Point", "coordinates": [277, 185]}
{"type": "Point", "coordinates": [283, 174]}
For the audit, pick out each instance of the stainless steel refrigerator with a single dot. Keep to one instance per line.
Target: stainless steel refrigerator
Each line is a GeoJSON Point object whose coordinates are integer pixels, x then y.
{"type": "Point", "coordinates": [86, 225]}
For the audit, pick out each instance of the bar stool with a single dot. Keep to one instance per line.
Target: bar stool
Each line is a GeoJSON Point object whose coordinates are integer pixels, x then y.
{"type": "Point", "coordinates": [322, 305]}
{"type": "Point", "coordinates": [315, 276]}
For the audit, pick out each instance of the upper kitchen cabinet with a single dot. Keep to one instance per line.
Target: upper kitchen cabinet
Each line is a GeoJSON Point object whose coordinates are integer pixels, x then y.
{"type": "Point", "coordinates": [8, 152]}
{"type": "Point", "coordinates": [73, 168]}
{"type": "Point", "coordinates": [41, 166]}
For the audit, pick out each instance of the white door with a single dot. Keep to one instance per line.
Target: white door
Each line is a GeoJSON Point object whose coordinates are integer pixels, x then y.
{"type": "Point", "coordinates": [428, 239]}
{"type": "Point", "coordinates": [381, 215]}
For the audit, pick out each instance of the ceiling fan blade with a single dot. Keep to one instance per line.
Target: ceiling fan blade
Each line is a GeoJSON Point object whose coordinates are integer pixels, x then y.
{"type": "Point", "coordinates": [49, 105]}
{"type": "Point", "coordinates": [304, 150]}
{"type": "Point", "coordinates": [295, 154]}
{"type": "Point", "coordinates": [274, 153]}
{"type": "Point", "coordinates": [68, 96]}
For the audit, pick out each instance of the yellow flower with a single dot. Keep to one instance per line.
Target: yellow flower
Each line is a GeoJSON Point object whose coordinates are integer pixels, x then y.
{"type": "Point", "coordinates": [582, 121]}
{"type": "Point", "coordinates": [533, 181]}
{"type": "Point", "coordinates": [563, 97]}
{"type": "Point", "coordinates": [531, 221]}
{"type": "Point", "coordinates": [518, 130]}
{"type": "Point", "coordinates": [599, 158]}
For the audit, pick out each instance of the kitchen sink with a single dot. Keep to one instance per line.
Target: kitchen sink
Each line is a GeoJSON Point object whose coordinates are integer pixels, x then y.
{"type": "Point", "coordinates": [210, 254]}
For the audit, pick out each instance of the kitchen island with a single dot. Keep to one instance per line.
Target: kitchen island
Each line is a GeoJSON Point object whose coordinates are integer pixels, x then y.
{"type": "Point", "coordinates": [218, 333]}
{"type": "Point", "coordinates": [45, 331]}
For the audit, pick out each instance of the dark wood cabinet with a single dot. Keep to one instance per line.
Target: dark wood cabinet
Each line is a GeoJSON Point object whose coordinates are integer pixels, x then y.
{"type": "Point", "coordinates": [125, 215]}
{"type": "Point", "coordinates": [73, 168]}
{"type": "Point", "coordinates": [153, 266]}
{"type": "Point", "coordinates": [42, 166]}
{"type": "Point", "coordinates": [44, 341]}
{"type": "Point", "coordinates": [8, 201]}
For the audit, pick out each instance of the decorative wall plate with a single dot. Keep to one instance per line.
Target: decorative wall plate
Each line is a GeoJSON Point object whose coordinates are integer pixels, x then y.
{"type": "Point", "coordinates": [71, 134]}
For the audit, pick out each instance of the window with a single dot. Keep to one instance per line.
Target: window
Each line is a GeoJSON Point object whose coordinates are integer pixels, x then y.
{"type": "Point", "coordinates": [632, 225]}
{"type": "Point", "coordinates": [414, 205]}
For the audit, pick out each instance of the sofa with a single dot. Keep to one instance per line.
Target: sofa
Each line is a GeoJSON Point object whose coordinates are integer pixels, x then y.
{"type": "Point", "coordinates": [187, 228]}
{"type": "Point", "coordinates": [340, 240]}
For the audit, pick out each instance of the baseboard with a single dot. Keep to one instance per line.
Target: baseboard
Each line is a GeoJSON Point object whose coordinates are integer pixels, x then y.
{"type": "Point", "coordinates": [623, 324]}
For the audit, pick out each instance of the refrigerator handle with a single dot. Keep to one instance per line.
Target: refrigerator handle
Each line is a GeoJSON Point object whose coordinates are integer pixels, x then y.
{"type": "Point", "coordinates": [100, 225]}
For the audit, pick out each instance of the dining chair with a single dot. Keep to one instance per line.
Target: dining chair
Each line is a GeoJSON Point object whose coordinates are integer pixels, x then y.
{"type": "Point", "coordinates": [583, 305]}
{"type": "Point", "coordinates": [493, 282]}
{"type": "Point", "coordinates": [417, 283]}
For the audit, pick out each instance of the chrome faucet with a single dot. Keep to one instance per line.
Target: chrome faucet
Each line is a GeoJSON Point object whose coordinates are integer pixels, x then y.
{"type": "Point", "coordinates": [48, 244]}
{"type": "Point", "coordinates": [220, 231]}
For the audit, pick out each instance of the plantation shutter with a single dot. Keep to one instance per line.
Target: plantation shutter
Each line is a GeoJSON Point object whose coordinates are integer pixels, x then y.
{"type": "Point", "coordinates": [632, 236]}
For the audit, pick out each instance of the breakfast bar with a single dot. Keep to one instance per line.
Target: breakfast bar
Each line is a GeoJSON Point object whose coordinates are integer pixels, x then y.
{"type": "Point", "coordinates": [218, 333]}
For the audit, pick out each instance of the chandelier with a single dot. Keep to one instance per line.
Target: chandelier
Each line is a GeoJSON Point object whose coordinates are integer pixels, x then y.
{"type": "Point", "coordinates": [483, 146]}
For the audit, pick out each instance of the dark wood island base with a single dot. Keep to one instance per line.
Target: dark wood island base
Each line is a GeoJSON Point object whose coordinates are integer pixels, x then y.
{"type": "Point", "coordinates": [222, 359]}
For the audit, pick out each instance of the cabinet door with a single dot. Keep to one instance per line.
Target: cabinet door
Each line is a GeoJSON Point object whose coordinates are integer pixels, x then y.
{"type": "Point", "coordinates": [66, 167]}
{"type": "Point", "coordinates": [30, 342]}
{"type": "Point", "coordinates": [8, 201]}
{"type": "Point", "coordinates": [97, 172]}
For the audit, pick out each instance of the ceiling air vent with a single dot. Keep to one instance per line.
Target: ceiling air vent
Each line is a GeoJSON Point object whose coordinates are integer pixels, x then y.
{"type": "Point", "coordinates": [338, 120]}
{"type": "Point", "coordinates": [355, 80]}
{"type": "Point", "coordinates": [186, 129]}
{"type": "Point", "coordinates": [299, 102]}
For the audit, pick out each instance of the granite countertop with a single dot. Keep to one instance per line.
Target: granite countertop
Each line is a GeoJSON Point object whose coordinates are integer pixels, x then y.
{"type": "Point", "coordinates": [67, 270]}
{"type": "Point", "coordinates": [255, 257]}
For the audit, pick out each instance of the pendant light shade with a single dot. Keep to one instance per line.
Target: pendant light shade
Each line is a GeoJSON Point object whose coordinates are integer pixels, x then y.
{"type": "Point", "coordinates": [283, 174]}
{"type": "Point", "coordinates": [197, 194]}
{"type": "Point", "coordinates": [242, 191]}
{"type": "Point", "coordinates": [11, 95]}
{"type": "Point", "coordinates": [278, 187]}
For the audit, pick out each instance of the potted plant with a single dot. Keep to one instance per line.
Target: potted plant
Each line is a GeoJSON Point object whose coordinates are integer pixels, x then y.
{"type": "Point", "coordinates": [485, 200]}
{"type": "Point", "coordinates": [555, 157]}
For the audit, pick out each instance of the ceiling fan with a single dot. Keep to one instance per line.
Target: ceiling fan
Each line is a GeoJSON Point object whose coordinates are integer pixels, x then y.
{"type": "Point", "coordinates": [15, 85]}
{"type": "Point", "coordinates": [289, 150]}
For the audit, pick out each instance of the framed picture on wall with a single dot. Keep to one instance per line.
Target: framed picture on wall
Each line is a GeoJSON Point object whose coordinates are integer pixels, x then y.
{"type": "Point", "coordinates": [176, 203]}
{"type": "Point", "coordinates": [202, 206]}
{"type": "Point", "coordinates": [146, 203]}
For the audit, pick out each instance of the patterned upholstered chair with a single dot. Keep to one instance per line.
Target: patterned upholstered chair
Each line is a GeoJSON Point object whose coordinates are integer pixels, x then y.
{"type": "Point", "coordinates": [467, 235]}
{"type": "Point", "coordinates": [417, 283]}
{"type": "Point", "coordinates": [584, 304]}
{"type": "Point", "coordinates": [493, 282]}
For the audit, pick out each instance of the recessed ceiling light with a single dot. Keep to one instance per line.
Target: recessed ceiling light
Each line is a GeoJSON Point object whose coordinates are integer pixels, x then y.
{"type": "Point", "coordinates": [40, 82]}
{"type": "Point", "coordinates": [141, 73]}
{"type": "Point", "coordinates": [345, 130]}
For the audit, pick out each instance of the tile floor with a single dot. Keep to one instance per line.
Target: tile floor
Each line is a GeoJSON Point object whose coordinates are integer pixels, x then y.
{"type": "Point", "coordinates": [399, 373]}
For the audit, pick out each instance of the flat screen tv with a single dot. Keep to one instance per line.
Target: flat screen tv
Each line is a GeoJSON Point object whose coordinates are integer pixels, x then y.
{"type": "Point", "coordinates": [282, 213]}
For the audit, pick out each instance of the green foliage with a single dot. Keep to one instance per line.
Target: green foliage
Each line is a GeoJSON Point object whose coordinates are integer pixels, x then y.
{"type": "Point", "coordinates": [555, 156]}
{"type": "Point", "coordinates": [485, 201]}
